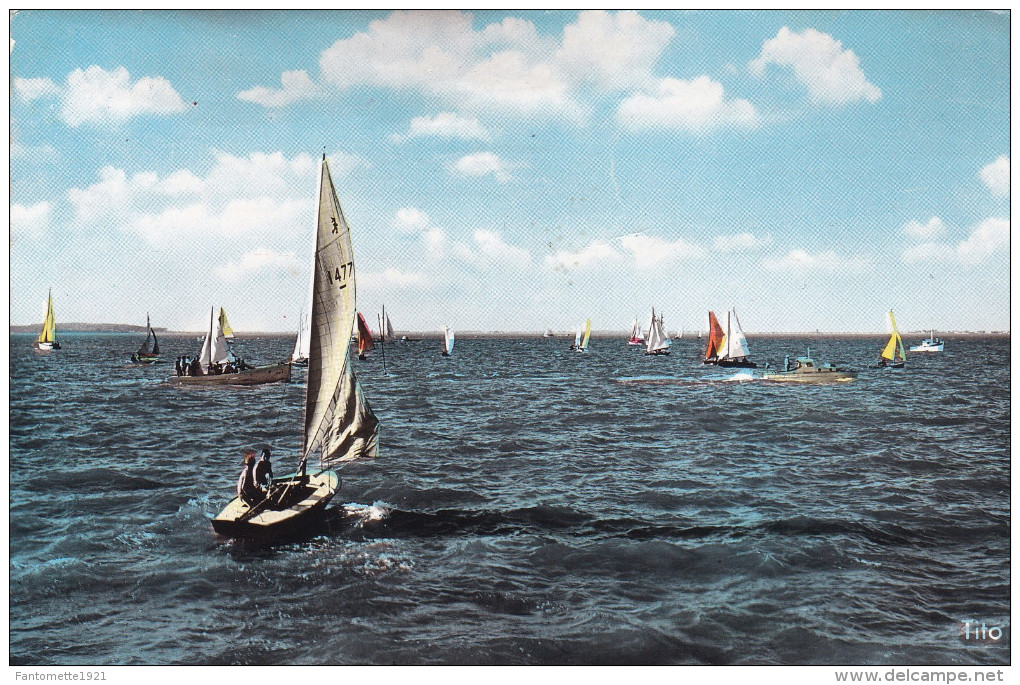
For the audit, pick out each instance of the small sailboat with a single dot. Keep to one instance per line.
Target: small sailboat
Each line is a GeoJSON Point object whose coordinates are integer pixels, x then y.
{"type": "Point", "coordinates": [386, 327]}
{"type": "Point", "coordinates": [338, 421]}
{"type": "Point", "coordinates": [148, 353]}
{"type": "Point", "coordinates": [804, 370]}
{"type": "Point", "coordinates": [364, 338]}
{"type": "Point", "coordinates": [582, 343]}
{"type": "Point", "coordinates": [734, 349]}
{"type": "Point", "coordinates": [716, 340]}
{"type": "Point", "coordinates": [637, 337]}
{"type": "Point", "coordinates": [216, 365]}
{"type": "Point", "coordinates": [892, 354]}
{"type": "Point", "coordinates": [299, 356]}
{"type": "Point", "coordinates": [931, 344]}
{"type": "Point", "coordinates": [658, 342]}
{"type": "Point", "coordinates": [448, 339]}
{"type": "Point", "coordinates": [548, 333]}
{"type": "Point", "coordinates": [228, 332]}
{"type": "Point", "coordinates": [47, 339]}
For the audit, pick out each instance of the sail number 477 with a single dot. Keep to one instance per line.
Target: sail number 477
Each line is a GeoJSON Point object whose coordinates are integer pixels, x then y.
{"type": "Point", "coordinates": [338, 276]}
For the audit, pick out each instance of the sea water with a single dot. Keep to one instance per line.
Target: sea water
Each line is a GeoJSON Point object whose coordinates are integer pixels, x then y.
{"type": "Point", "coordinates": [529, 505]}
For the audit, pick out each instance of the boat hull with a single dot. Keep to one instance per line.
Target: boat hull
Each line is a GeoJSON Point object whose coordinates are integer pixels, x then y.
{"type": "Point", "coordinates": [737, 363]}
{"type": "Point", "coordinates": [817, 377]}
{"type": "Point", "coordinates": [257, 376]}
{"type": "Point", "coordinates": [48, 345]}
{"type": "Point", "coordinates": [267, 522]}
{"type": "Point", "coordinates": [927, 348]}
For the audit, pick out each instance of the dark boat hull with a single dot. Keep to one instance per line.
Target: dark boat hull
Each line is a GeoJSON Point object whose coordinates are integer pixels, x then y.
{"type": "Point", "coordinates": [257, 376]}
{"type": "Point", "coordinates": [305, 507]}
{"type": "Point", "coordinates": [737, 363]}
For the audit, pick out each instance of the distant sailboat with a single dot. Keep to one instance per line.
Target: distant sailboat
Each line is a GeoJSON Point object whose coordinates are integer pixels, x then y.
{"type": "Point", "coordinates": [716, 340]}
{"type": "Point", "coordinates": [448, 339]}
{"type": "Point", "coordinates": [47, 339]}
{"type": "Point", "coordinates": [931, 344]}
{"type": "Point", "coordinates": [338, 421]}
{"type": "Point", "coordinates": [637, 337]}
{"type": "Point", "coordinates": [548, 333]}
{"type": "Point", "coordinates": [299, 356]}
{"type": "Point", "coordinates": [582, 345]}
{"type": "Point", "coordinates": [148, 353]}
{"type": "Point", "coordinates": [734, 349]}
{"type": "Point", "coordinates": [365, 342]}
{"type": "Point", "coordinates": [658, 342]}
{"type": "Point", "coordinates": [892, 354]}
{"type": "Point", "coordinates": [386, 327]}
{"type": "Point", "coordinates": [216, 365]}
{"type": "Point", "coordinates": [228, 332]}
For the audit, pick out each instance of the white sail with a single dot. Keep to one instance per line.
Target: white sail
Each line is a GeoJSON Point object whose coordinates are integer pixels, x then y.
{"type": "Point", "coordinates": [448, 340]}
{"type": "Point", "coordinates": [577, 336]}
{"type": "Point", "coordinates": [657, 339]}
{"type": "Point", "coordinates": [338, 419]}
{"type": "Point", "coordinates": [736, 343]}
{"type": "Point", "coordinates": [389, 329]}
{"type": "Point", "coordinates": [214, 347]}
{"type": "Point", "coordinates": [300, 352]}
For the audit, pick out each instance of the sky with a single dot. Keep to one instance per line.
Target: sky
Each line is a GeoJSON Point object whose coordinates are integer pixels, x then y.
{"type": "Point", "coordinates": [515, 171]}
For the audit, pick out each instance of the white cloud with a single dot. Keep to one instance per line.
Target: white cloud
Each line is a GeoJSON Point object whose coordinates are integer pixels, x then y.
{"type": "Point", "coordinates": [596, 252]}
{"type": "Point", "coordinates": [296, 86]}
{"type": "Point", "coordinates": [649, 251]}
{"type": "Point", "coordinates": [29, 89]}
{"type": "Point", "coordinates": [410, 220]}
{"type": "Point", "coordinates": [492, 247]}
{"type": "Point", "coordinates": [985, 239]}
{"type": "Point", "coordinates": [32, 221]}
{"type": "Point", "coordinates": [393, 278]}
{"type": "Point", "coordinates": [481, 164]}
{"type": "Point", "coordinates": [445, 125]}
{"type": "Point", "coordinates": [833, 75]}
{"type": "Point", "coordinates": [802, 261]}
{"type": "Point", "coordinates": [612, 51]}
{"type": "Point", "coordinates": [996, 176]}
{"type": "Point", "coordinates": [933, 229]}
{"type": "Point", "coordinates": [97, 96]}
{"type": "Point", "coordinates": [698, 105]}
{"type": "Point", "coordinates": [739, 242]}
{"type": "Point", "coordinates": [258, 262]}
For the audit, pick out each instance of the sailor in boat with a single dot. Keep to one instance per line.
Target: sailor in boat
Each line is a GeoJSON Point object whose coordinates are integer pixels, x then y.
{"type": "Point", "coordinates": [247, 489]}
{"type": "Point", "coordinates": [264, 471]}
{"type": "Point", "coordinates": [786, 363]}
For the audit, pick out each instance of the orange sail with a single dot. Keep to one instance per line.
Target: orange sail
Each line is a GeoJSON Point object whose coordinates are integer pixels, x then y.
{"type": "Point", "coordinates": [716, 338]}
{"type": "Point", "coordinates": [364, 335]}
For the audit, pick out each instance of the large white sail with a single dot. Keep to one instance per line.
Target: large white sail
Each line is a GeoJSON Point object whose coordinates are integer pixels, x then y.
{"type": "Point", "coordinates": [736, 343]}
{"type": "Point", "coordinates": [448, 340]}
{"type": "Point", "coordinates": [657, 339]}
{"type": "Point", "coordinates": [300, 352]}
{"type": "Point", "coordinates": [338, 419]}
{"type": "Point", "coordinates": [214, 347]}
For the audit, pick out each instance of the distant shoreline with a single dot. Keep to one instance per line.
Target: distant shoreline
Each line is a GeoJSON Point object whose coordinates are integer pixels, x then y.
{"type": "Point", "coordinates": [417, 335]}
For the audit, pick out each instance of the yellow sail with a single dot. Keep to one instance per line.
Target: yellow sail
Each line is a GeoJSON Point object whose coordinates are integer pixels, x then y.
{"type": "Point", "coordinates": [49, 328]}
{"type": "Point", "coordinates": [895, 343]}
{"type": "Point", "coordinates": [587, 334]}
{"type": "Point", "coordinates": [227, 330]}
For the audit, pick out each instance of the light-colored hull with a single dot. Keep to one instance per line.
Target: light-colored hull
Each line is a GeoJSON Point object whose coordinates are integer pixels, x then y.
{"type": "Point", "coordinates": [817, 376]}
{"type": "Point", "coordinates": [48, 345]}
{"type": "Point", "coordinates": [927, 348]}
{"type": "Point", "coordinates": [269, 521]}
{"type": "Point", "coordinates": [256, 376]}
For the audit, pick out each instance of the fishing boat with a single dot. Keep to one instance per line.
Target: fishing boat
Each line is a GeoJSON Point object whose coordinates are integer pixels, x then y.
{"type": "Point", "coordinates": [299, 356]}
{"type": "Point", "coordinates": [582, 341]}
{"type": "Point", "coordinates": [148, 353]}
{"type": "Point", "coordinates": [448, 339]}
{"type": "Point", "coordinates": [47, 339]}
{"type": "Point", "coordinates": [637, 336]}
{"type": "Point", "coordinates": [228, 332]}
{"type": "Point", "coordinates": [931, 344]}
{"type": "Point", "coordinates": [338, 422]}
{"type": "Point", "coordinates": [892, 355]}
{"type": "Point", "coordinates": [216, 364]}
{"type": "Point", "coordinates": [658, 342]}
{"type": "Point", "coordinates": [734, 348]}
{"type": "Point", "coordinates": [804, 370]}
{"type": "Point", "coordinates": [716, 340]}
{"type": "Point", "coordinates": [364, 338]}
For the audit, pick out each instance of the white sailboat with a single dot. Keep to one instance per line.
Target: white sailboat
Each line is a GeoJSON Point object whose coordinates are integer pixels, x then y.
{"type": "Point", "coordinates": [338, 422]}
{"type": "Point", "coordinates": [47, 339]}
{"type": "Point", "coordinates": [300, 354]}
{"type": "Point", "coordinates": [658, 342]}
{"type": "Point", "coordinates": [734, 351]}
{"type": "Point", "coordinates": [448, 339]}
{"type": "Point", "coordinates": [548, 333]}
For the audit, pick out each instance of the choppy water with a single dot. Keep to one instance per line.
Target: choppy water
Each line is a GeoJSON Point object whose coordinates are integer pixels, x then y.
{"type": "Point", "coordinates": [529, 506]}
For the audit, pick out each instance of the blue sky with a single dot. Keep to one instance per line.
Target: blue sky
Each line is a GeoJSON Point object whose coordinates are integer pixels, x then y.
{"type": "Point", "coordinates": [516, 170]}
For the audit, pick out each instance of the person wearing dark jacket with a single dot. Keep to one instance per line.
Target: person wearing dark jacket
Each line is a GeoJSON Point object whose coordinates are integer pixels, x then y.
{"type": "Point", "coordinates": [264, 471]}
